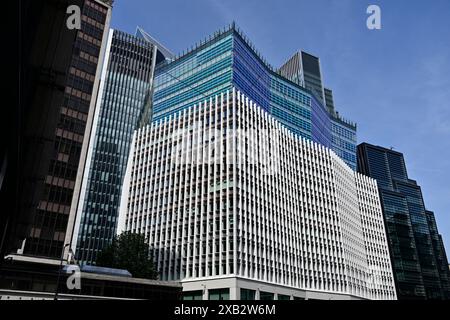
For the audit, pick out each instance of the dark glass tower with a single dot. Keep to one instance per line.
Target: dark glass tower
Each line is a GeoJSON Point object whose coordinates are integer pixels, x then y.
{"type": "Point", "coordinates": [124, 104]}
{"type": "Point", "coordinates": [58, 83]}
{"type": "Point", "coordinates": [440, 254]}
{"type": "Point", "coordinates": [417, 252]}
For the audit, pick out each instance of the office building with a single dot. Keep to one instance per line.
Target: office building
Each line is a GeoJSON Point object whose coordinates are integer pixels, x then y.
{"type": "Point", "coordinates": [59, 84]}
{"type": "Point", "coordinates": [343, 139]}
{"type": "Point", "coordinates": [295, 97]}
{"type": "Point", "coordinates": [162, 54]}
{"type": "Point", "coordinates": [329, 101]}
{"type": "Point", "coordinates": [237, 206]}
{"type": "Point", "coordinates": [124, 104]}
{"type": "Point", "coordinates": [416, 248]}
{"type": "Point", "coordinates": [304, 69]}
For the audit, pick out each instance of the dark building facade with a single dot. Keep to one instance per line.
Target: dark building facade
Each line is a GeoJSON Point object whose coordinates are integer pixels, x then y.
{"type": "Point", "coordinates": [417, 251]}
{"type": "Point", "coordinates": [124, 103]}
{"type": "Point", "coordinates": [58, 68]}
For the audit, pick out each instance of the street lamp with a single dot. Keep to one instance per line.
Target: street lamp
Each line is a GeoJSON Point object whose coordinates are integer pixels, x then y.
{"type": "Point", "coordinates": [59, 271]}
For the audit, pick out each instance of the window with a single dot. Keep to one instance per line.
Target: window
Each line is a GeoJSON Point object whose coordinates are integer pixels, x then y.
{"type": "Point", "coordinates": [266, 295]}
{"type": "Point", "coordinates": [247, 294]}
{"type": "Point", "coordinates": [193, 295]}
{"type": "Point", "coordinates": [219, 294]}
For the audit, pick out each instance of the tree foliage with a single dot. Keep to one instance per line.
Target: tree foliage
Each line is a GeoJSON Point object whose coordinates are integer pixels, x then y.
{"type": "Point", "coordinates": [129, 251]}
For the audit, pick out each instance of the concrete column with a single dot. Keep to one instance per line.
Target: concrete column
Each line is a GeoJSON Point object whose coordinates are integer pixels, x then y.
{"type": "Point", "coordinates": [205, 294]}
{"type": "Point", "coordinates": [235, 293]}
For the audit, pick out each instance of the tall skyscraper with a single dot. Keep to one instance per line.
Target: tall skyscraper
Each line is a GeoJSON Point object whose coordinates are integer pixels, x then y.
{"type": "Point", "coordinates": [59, 83]}
{"type": "Point", "coordinates": [123, 105]}
{"type": "Point", "coordinates": [228, 59]}
{"type": "Point", "coordinates": [304, 69]}
{"type": "Point", "coordinates": [236, 205]}
{"type": "Point", "coordinates": [417, 251]}
{"type": "Point", "coordinates": [329, 101]}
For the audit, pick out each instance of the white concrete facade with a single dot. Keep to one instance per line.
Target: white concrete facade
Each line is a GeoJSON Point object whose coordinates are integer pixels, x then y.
{"type": "Point", "coordinates": [230, 198]}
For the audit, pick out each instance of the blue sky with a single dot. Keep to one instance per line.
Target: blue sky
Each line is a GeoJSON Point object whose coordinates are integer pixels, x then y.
{"type": "Point", "coordinates": [394, 82]}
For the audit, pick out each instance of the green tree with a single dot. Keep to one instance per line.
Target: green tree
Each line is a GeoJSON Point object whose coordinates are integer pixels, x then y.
{"type": "Point", "coordinates": [129, 251]}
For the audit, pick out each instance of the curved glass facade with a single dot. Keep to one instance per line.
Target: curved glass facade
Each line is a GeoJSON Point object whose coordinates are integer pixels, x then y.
{"type": "Point", "coordinates": [250, 75]}
{"type": "Point", "coordinates": [321, 125]}
{"type": "Point", "coordinates": [193, 77]}
{"type": "Point", "coordinates": [343, 140]}
{"type": "Point", "coordinates": [228, 60]}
